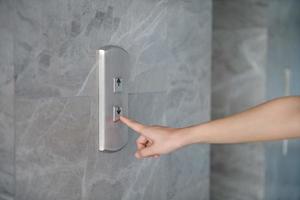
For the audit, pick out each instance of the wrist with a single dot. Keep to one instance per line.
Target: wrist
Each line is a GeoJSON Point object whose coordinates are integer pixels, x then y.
{"type": "Point", "coordinates": [191, 135]}
{"type": "Point", "coordinates": [183, 137]}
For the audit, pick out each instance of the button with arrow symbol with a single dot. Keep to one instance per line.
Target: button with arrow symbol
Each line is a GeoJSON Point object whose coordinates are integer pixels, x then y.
{"type": "Point", "coordinates": [118, 84]}
{"type": "Point", "coordinates": [117, 112]}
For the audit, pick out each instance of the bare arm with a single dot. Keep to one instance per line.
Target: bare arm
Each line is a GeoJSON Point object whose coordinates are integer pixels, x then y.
{"type": "Point", "coordinates": [273, 120]}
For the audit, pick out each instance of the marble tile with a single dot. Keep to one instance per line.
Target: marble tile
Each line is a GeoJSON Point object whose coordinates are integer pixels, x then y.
{"type": "Point", "coordinates": [238, 70]}
{"type": "Point", "coordinates": [188, 99]}
{"type": "Point", "coordinates": [238, 83]}
{"type": "Point", "coordinates": [52, 55]}
{"type": "Point", "coordinates": [187, 90]}
{"type": "Point", "coordinates": [240, 14]}
{"type": "Point", "coordinates": [7, 129]}
{"type": "Point", "coordinates": [51, 147]}
{"type": "Point", "coordinates": [152, 70]}
{"type": "Point", "coordinates": [6, 102]}
{"type": "Point", "coordinates": [282, 174]}
{"type": "Point", "coordinates": [57, 153]}
{"type": "Point", "coordinates": [238, 171]}
{"type": "Point", "coordinates": [56, 42]}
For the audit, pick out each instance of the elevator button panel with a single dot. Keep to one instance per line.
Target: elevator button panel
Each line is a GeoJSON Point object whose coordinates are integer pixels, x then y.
{"type": "Point", "coordinates": [113, 65]}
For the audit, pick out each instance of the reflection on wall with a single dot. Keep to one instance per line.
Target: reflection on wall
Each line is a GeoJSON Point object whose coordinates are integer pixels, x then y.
{"type": "Point", "coordinates": [56, 95]}
{"type": "Point", "coordinates": [238, 82]}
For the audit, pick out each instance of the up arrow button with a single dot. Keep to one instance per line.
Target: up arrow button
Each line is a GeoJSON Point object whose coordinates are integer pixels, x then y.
{"type": "Point", "coordinates": [118, 84]}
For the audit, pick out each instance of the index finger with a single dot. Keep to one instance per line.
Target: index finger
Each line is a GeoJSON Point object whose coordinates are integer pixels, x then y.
{"type": "Point", "coordinates": [132, 124]}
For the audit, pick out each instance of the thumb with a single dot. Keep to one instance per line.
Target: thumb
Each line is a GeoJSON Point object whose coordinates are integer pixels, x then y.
{"type": "Point", "coordinates": [146, 152]}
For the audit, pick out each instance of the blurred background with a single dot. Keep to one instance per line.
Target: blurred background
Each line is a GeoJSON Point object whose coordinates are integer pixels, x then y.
{"type": "Point", "coordinates": [256, 46]}
{"type": "Point", "coordinates": [192, 61]}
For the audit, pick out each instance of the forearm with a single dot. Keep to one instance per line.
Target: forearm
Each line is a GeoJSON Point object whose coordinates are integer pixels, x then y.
{"type": "Point", "coordinates": [274, 120]}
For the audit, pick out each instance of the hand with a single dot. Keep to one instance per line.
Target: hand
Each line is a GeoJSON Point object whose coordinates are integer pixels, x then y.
{"type": "Point", "coordinates": [153, 140]}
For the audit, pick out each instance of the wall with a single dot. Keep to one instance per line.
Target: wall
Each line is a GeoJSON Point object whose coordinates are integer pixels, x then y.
{"type": "Point", "coordinates": [282, 159]}
{"type": "Point", "coordinates": [55, 94]}
{"type": "Point", "coordinates": [238, 82]}
{"type": "Point", "coordinates": [6, 102]}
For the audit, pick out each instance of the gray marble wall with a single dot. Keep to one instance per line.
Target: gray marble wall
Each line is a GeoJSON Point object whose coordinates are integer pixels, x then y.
{"type": "Point", "coordinates": [238, 82]}
{"type": "Point", "coordinates": [55, 96]}
{"type": "Point", "coordinates": [6, 103]}
{"type": "Point", "coordinates": [282, 159]}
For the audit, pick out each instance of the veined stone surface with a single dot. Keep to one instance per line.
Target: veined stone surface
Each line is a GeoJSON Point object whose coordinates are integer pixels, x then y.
{"type": "Point", "coordinates": [57, 155]}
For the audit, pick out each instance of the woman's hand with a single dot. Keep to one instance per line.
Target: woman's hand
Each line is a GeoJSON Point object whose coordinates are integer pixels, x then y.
{"type": "Point", "coordinates": [274, 120]}
{"type": "Point", "coordinates": [153, 140]}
